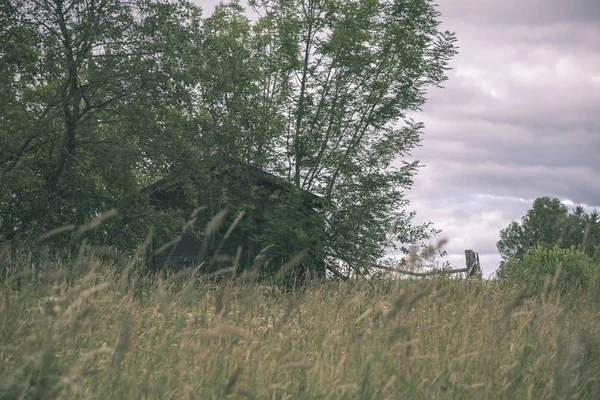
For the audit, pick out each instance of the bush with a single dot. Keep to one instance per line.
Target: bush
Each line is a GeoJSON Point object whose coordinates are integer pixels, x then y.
{"type": "Point", "coordinates": [577, 269]}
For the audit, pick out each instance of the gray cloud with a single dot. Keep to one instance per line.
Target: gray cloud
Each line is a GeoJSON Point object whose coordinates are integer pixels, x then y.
{"type": "Point", "coordinates": [519, 118]}
{"type": "Point", "coordinates": [516, 12]}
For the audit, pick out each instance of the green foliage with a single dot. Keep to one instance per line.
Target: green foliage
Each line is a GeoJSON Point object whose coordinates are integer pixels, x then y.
{"type": "Point", "coordinates": [564, 269]}
{"type": "Point", "coordinates": [549, 223]}
{"type": "Point", "coordinates": [341, 77]}
{"type": "Point", "coordinates": [93, 98]}
{"type": "Point", "coordinates": [290, 231]}
{"type": "Point", "coordinates": [547, 231]}
{"type": "Point", "coordinates": [102, 98]}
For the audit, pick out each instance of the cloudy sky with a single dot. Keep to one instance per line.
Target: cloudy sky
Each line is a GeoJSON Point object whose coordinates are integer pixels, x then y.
{"type": "Point", "coordinates": [519, 118]}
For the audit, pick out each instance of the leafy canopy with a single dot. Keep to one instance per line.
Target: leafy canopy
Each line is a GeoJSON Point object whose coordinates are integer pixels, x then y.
{"type": "Point", "coordinates": [547, 224]}
{"type": "Point", "coordinates": [103, 97]}
{"type": "Point", "coordinates": [94, 101]}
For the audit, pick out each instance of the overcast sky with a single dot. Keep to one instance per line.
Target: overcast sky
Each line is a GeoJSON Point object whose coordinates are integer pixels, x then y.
{"type": "Point", "coordinates": [519, 118]}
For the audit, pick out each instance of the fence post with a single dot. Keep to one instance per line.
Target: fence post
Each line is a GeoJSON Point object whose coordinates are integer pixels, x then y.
{"type": "Point", "coordinates": [473, 265]}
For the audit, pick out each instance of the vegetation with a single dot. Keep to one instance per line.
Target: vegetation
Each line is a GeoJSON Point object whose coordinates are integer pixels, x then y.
{"type": "Point", "coordinates": [92, 94]}
{"type": "Point", "coordinates": [548, 238]}
{"type": "Point", "coordinates": [100, 98]}
{"type": "Point", "coordinates": [549, 223]}
{"type": "Point", "coordinates": [94, 329]}
{"type": "Point", "coordinates": [563, 269]}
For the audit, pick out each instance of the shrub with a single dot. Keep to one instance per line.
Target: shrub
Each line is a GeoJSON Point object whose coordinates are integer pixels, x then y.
{"type": "Point", "coordinates": [575, 269]}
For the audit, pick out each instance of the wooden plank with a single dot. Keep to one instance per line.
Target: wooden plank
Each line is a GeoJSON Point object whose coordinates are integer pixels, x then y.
{"type": "Point", "coordinates": [428, 273]}
{"type": "Point", "coordinates": [473, 268]}
{"type": "Point", "coordinates": [473, 265]}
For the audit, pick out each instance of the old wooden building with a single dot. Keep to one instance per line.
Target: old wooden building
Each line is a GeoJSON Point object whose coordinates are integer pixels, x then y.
{"type": "Point", "coordinates": [278, 220]}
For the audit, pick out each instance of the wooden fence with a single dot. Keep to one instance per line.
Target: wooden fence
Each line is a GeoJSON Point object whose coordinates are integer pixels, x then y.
{"type": "Point", "coordinates": [473, 268]}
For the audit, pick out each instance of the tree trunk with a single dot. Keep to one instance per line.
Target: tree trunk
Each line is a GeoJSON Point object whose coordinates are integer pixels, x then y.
{"type": "Point", "coordinates": [71, 103]}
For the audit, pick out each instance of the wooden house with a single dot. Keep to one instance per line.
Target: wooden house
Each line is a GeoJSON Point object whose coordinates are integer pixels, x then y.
{"type": "Point", "coordinates": [211, 200]}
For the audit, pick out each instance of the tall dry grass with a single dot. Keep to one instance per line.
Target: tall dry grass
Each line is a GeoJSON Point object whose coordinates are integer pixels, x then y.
{"type": "Point", "coordinates": [93, 329]}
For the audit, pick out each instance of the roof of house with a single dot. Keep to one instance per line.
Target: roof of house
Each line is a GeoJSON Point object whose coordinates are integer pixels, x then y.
{"type": "Point", "coordinates": [263, 177]}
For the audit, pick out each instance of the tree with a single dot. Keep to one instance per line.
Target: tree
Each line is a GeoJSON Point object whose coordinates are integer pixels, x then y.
{"type": "Point", "coordinates": [341, 77]}
{"type": "Point", "coordinates": [106, 96]}
{"type": "Point", "coordinates": [317, 92]}
{"type": "Point", "coordinates": [94, 94]}
{"type": "Point", "coordinates": [550, 223]}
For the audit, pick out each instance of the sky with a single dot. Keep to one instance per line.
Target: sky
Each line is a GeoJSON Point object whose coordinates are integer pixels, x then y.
{"type": "Point", "coordinates": [519, 118]}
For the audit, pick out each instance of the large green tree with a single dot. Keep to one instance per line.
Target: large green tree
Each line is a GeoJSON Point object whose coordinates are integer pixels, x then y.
{"type": "Point", "coordinates": [101, 97]}
{"type": "Point", "coordinates": [95, 99]}
{"type": "Point", "coordinates": [332, 82]}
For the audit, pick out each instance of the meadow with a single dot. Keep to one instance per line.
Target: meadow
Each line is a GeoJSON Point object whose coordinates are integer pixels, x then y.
{"type": "Point", "coordinates": [95, 329]}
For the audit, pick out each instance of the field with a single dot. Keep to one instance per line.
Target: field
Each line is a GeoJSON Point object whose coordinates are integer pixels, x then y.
{"type": "Point", "coordinates": [92, 329]}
